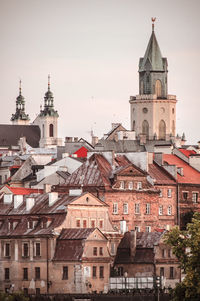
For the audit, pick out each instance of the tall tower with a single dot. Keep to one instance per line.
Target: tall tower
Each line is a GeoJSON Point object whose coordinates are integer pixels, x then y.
{"type": "Point", "coordinates": [20, 117]}
{"type": "Point", "coordinates": [47, 120]}
{"type": "Point", "coordinates": [153, 111]}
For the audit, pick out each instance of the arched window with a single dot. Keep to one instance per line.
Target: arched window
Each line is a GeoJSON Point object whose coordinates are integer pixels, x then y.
{"type": "Point", "coordinates": [173, 128]}
{"type": "Point", "coordinates": [158, 88]}
{"type": "Point", "coordinates": [51, 130]}
{"type": "Point", "coordinates": [133, 125]}
{"type": "Point", "coordinates": [145, 128]}
{"type": "Point", "coordinates": [162, 130]}
{"type": "Point", "coordinates": [141, 87]}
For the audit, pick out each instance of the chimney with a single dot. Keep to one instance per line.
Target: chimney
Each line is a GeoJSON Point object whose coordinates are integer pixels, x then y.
{"type": "Point", "coordinates": [53, 196]}
{"type": "Point", "coordinates": [68, 139]}
{"type": "Point", "coordinates": [158, 157]}
{"type": "Point", "coordinates": [75, 192]}
{"type": "Point", "coordinates": [7, 198]}
{"type": "Point", "coordinates": [47, 188]}
{"type": "Point", "coordinates": [30, 202]}
{"type": "Point", "coordinates": [75, 139]}
{"type": "Point", "coordinates": [132, 243]}
{"type": "Point", "coordinates": [95, 140]}
{"type": "Point", "coordinates": [18, 200]}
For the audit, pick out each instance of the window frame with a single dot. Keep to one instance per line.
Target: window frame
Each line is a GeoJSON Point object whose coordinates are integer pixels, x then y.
{"type": "Point", "coordinates": [65, 275]}
{"type": "Point", "coordinates": [148, 209]}
{"type": "Point", "coordinates": [160, 210]}
{"type": "Point", "coordinates": [37, 273]}
{"type": "Point", "coordinates": [101, 272]}
{"type": "Point", "coordinates": [94, 251]}
{"type": "Point", "coordinates": [94, 271]}
{"type": "Point", "coordinates": [25, 273]}
{"type": "Point", "coordinates": [137, 208]}
{"type": "Point", "coordinates": [115, 208]}
{"type": "Point", "coordinates": [125, 205]}
{"type": "Point", "coordinates": [169, 192]}
{"type": "Point", "coordinates": [6, 273]}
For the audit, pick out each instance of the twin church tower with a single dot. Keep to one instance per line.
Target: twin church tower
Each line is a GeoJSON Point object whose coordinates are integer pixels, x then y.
{"type": "Point", "coordinates": [153, 111]}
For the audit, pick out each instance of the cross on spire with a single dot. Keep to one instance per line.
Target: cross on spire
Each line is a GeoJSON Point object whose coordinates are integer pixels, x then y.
{"type": "Point", "coordinates": [153, 21]}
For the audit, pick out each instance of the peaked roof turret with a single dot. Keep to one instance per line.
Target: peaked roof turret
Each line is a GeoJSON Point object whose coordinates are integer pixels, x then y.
{"type": "Point", "coordinates": [48, 103]}
{"type": "Point", "coordinates": [152, 60]}
{"type": "Point", "coordinates": [20, 107]}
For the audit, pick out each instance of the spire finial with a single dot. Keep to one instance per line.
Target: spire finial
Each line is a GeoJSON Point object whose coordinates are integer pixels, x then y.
{"type": "Point", "coordinates": [20, 87]}
{"type": "Point", "coordinates": [153, 20]}
{"type": "Point", "coordinates": [49, 82]}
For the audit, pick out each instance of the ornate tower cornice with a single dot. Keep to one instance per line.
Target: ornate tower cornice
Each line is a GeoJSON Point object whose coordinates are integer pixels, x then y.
{"type": "Point", "coordinates": [20, 116]}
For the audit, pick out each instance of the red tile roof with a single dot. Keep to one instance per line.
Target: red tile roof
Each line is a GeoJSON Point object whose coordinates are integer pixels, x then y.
{"type": "Point", "coordinates": [160, 175]}
{"type": "Point", "coordinates": [187, 152]}
{"type": "Point", "coordinates": [190, 175]}
{"type": "Point", "coordinates": [23, 191]}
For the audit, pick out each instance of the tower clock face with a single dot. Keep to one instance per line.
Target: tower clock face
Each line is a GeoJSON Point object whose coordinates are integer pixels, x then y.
{"type": "Point", "coordinates": [145, 110]}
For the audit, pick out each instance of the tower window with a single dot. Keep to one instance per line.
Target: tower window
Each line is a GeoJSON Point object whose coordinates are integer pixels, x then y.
{"type": "Point", "coordinates": [51, 130]}
{"type": "Point", "coordinates": [158, 88]}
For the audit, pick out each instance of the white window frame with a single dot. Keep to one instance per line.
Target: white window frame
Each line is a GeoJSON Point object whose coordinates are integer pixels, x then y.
{"type": "Point", "coordinates": [137, 228]}
{"type": "Point", "coordinates": [148, 208]}
{"type": "Point", "coordinates": [169, 193]}
{"type": "Point", "coordinates": [112, 248]}
{"type": "Point", "coordinates": [139, 185]}
{"type": "Point", "coordinates": [169, 210]}
{"type": "Point", "coordinates": [148, 229]}
{"type": "Point", "coordinates": [122, 185]}
{"type": "Point", "coordinates": [194, 196]}
{"type": "Point", "coordinates": [137, 208]}
{"type": "Point", "coordinates": [160, 210]}
{"type": "Point", "coordinates": [130, 185]}
{"type": "Point", "coordinates": [161, 193]}
{"type": "Point", "coordinates": [115, 208]}
{"type": "Point", "coordinates": [125, 208]}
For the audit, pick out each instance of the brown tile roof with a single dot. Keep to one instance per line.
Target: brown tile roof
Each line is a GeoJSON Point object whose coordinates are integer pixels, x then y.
{"type": "Point", "coordinates": [161, 176]}
{"type": "Point", "coordinates": [75, 234]}
{"type": "Point", "coordinates": [68, 250]}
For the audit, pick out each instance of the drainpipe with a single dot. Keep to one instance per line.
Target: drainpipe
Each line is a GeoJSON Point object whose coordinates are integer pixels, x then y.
{"type": "Point", "coordinates": [47, 247]}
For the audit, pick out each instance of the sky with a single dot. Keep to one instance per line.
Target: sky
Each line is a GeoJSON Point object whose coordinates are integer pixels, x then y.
{"type": "Point", "coordinates": [91, 49]}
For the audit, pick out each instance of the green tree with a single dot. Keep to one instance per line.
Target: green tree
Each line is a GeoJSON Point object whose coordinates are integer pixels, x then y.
{"type": "Point", "coordinates": [186, 247]}
{"type": "Point", "coordinates": [18, 296]}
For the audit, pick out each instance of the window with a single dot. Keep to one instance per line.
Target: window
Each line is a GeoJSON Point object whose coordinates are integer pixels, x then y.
{"type": "Point", "coordinates": [148, 208]}
{"type": "Point", "coordinates": [137, 228]}
{"type": "Point", "coordinates": [25, 291]}
{"type": "Point", "coordinates": [161, 193]}
{"type": "Point", "coordinates": [171, 272]}
{"type": "Point", "coordinates": [84, 223]}
{"type": "Point", "coordinates": [95, 251]}
{"type": "Point", "coordinates": [169, 253]}
{"type": "Point", "coordinates": [30, 225]}
{"type": "Point", "coordinates": [137, 208]}
{"type": "Point", "coordinates": [148, 229]}
{"type": "Point", "coordinates": [162, 272]}
{"type": "Point", "coordinates": [195, 197]}
{"type": "Point", "coordinates": [37, 291]}
{"type": "Point", "coordinates": [115, 208]}
{"type": "Point", "coordinates": [25, 249]}
{"type": "Point", "coordinates": [139, 185]}
{"type": "Point", "coordinates": [130, 185]}
{"type": "Point", "coordinates": [7, 250]}
{"type": "Point", "coordinates": [94, 271]}
{"type": "Point", "coordinates": [51, 130]}
{"type": "Point", "coordinates": [101, 224]}
{"type": "Point", "coordinates": [100, 251]}
{"type": "Point", "coordinates": [121, 185]}
{"type": "Point", "coordinates": [163, 253]}
{"type": "Point", "coordinates": [112, 248]}
{"type": "Point", "coordinates": [93, 223]}
{"type": "Point", "coordinates": [37, 273]}
{"type": "Point", "coordinates": [185, 196]}
{"type": "Point", "coordinates": [78, 223]}
{"type": "Point", "coordinates": [160, 211]}
{"type": "Point", "coordinates": [25, 273]}
{"type": "Point", "coordinates": [169, 193]}
{"type": "Point", "coordinates": [65, 273]}
{"type": "Point", "coordinates": [37, 249]}
{"type": "Point", "coordinates": [169, 211]}
{"type": "Point", "coordinates": [101, 272]}
{"type": "Point", "coordinates": [125, 208]}
{"type": "Point", "coordinates": [7, 274]}
{"type": "Point", "coordinates": [120, 271]}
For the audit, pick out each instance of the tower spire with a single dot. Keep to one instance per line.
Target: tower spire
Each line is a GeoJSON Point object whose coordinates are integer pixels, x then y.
{"type": "Point", "coordinates": [153, 21]}
{"type": "Point", "coordinates": [49, 82]}
{"type": "Point", "coordinates": [20, 87]}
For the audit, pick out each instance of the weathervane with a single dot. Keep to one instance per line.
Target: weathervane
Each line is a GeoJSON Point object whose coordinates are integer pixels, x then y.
{"type": "Point", "coordinates": [153, 20]}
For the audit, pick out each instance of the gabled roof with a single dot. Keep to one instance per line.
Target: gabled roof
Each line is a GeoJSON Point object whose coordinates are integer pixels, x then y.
{"type": "Point", "coordinates": [10, 134]}
{"type": "Point", "coordinates": [161, 176]}
{"type": "Point", "coordinates": [190, 175]}
{"type": "Point", "coordinates": [187, 152]}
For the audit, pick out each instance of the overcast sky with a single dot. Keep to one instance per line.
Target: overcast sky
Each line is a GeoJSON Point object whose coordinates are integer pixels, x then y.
{"type": "Point", "coordinates": [91, 49]}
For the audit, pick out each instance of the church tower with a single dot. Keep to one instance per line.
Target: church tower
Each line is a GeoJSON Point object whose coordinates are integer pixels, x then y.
{"type": "Point", "coordinates": [20, 117]}
{"type": "Point", "coordinates": [47, 120]}
{"type": "Point", "coordinates": [153, 111]}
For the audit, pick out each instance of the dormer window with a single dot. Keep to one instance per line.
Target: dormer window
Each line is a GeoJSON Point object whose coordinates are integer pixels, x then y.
{"type": "Point", "coordinates": [121, 185]}
{"type": "Point", "coordinates": [30, 224]}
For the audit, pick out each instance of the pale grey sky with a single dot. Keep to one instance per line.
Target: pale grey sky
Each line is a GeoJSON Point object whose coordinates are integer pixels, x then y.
{"type": "Point", "coordinates": [91, 48]}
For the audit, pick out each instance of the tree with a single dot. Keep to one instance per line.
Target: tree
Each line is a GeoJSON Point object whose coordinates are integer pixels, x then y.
{"type": "Point", "coordinates": [18, 296]}
{"type": "Point", "coordinates": [186, 247]}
